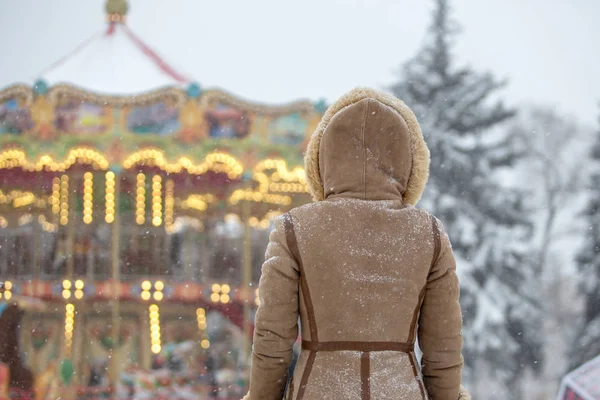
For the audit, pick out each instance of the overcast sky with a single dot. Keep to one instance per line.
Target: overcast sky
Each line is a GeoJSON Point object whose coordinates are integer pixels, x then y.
{"type": "Point", "coordinates": [277, 51]}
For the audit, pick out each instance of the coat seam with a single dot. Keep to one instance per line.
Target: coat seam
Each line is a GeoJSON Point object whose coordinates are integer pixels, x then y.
{"type": "Point", "coordinates": [436, 254]}
{"type": "Point", "coordinates": [413, 325]}
{"type": "Point", "coordinates": [413, 363]}
{"type": "Point", "coordinates": [363, 128]}
{"type": "Point", "coordinates": [305, 374]}
{"type": "Point", "coordinates": [437, 242]}
{"type": "Point", "coordinates": [292, 242]}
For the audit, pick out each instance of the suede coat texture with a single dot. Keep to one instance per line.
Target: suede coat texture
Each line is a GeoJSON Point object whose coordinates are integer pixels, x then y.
{"type": "Point", "coordinates": [364, 271]}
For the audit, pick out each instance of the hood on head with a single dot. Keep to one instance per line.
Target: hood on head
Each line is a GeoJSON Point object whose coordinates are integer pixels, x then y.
{"type": "Point", "coordinates": [369, 146]}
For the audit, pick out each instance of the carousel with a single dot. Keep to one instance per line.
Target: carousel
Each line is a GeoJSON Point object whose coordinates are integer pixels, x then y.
{"type": "Point", "coordinates": [136, 205]}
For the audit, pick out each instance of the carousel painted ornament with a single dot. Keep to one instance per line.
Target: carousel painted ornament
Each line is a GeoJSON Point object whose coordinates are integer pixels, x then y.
{"type": "Point", "coordinates": [261, 126]}
{"type": "Point", "coordinates": [40, 337]}
{"type": "Point", "coordinates": [249, 159]}
{"type": "Point", "coordinates": [67, 370]}
{"type": "Point", "coordinates": [116, 10]}
{"type": "Point", "coordinates": [192, 116]}
{"type": "Point", "coordinates": [115, 153]}
{"type": "Point", "coordinates": [247, 176]}
{"type": "Point", "coordinates": [43, 116]}
{"type": "Point", "coordinates": [104, 337]}
{"type": "Point", "coordinates": [40, 87]}
{"type": "Point", "coordinates": [192, 121]}
{"type": "Point", "coordinates": [321, 106]}
{"type": "Point", "coordinates": [313, 121]}
{"type": "Point", "coordinates": [194, 91]}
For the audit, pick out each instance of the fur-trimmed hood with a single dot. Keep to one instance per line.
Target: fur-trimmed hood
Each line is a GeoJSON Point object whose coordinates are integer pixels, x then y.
{"type": "Point", "coordinates": [368, 145]}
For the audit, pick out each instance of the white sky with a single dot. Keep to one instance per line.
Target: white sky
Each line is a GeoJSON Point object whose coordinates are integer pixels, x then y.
{"type": "Point", "coordinates": [277, 51]}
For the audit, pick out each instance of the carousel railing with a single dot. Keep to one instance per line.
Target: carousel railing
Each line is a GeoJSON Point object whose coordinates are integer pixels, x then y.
{"type": "Point", "coordinates": [105, 393]}
{"type": "Point", "coordinates": [29, 252]}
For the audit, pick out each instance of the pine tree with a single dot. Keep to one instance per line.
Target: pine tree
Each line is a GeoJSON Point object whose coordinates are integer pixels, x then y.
{"type": "Point", "coordinates": [484, 217]}
{"type": "Point", "coordinates": [557, 149]}
{"type": "Point", "coordinates": [587, 342]}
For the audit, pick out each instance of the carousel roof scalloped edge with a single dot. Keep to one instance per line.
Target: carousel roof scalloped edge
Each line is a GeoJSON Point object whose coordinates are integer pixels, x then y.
{"type": "Point", "coordinates": [180, 95]}
{"type": "Point", "coordinates": [11, 147]}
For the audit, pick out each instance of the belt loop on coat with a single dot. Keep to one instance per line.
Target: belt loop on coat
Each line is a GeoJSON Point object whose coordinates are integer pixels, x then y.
{"type": "Point", "coordinates": [365, 375]}
{"type": "Point", "coordinates": [359, 346]}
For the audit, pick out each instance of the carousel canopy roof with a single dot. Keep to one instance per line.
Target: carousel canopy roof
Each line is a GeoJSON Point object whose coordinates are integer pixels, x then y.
{"type": "Point", "coordinates": [114, 61]}
{"type": "Point", "coordinates": [114, 104]}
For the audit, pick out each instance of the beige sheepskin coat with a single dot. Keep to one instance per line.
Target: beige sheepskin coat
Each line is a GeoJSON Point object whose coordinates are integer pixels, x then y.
{"type": "Point", "coordinates": [364, 271]}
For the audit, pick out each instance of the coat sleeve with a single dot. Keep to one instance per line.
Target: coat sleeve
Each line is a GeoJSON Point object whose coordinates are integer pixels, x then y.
{"type": "Point", "coordinates": [276, 324]}
{"type": "Point", "coordinates": [440, 326]}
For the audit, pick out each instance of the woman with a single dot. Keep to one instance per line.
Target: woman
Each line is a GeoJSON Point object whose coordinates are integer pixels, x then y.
{"type": "Point", "coordinates": [366, 271]}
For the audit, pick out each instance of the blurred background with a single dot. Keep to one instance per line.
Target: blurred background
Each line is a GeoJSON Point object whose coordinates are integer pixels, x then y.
{"type": "Point", "coordinates": [147, 146]}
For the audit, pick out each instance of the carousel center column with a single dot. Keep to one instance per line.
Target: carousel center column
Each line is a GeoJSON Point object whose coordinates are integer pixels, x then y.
{"type": "Point", "coordinates": [113, 218]}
